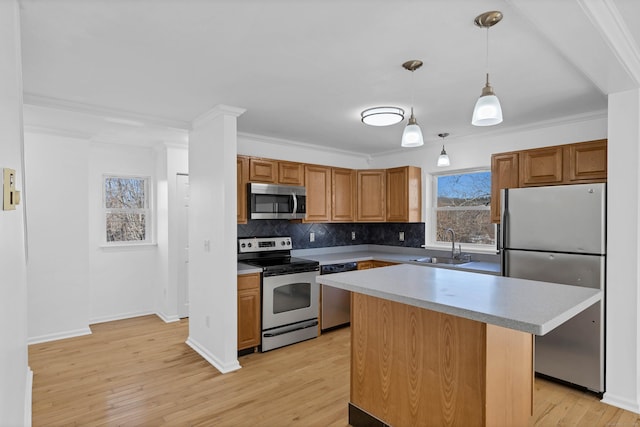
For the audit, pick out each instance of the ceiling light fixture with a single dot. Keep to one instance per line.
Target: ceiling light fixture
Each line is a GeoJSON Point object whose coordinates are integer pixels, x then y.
{"type": "Point", "coordinates": [412, 135]}
{"type": "Point", "coordinates": [382, 116]}
{"type": "Point", "coordinates": [487, 111]}
{"type": "Point", "coordinates": [443, 159]}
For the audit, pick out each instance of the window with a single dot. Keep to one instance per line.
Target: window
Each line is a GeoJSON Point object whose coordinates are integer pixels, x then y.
{"type": "Point", "coordinates": [126, 209]}
{"type": "Point", "coordinates": [463, 203]}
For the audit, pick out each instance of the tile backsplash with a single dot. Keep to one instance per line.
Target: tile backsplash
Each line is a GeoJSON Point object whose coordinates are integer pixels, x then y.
{"type": "Point", "coordinates": [336, 234]}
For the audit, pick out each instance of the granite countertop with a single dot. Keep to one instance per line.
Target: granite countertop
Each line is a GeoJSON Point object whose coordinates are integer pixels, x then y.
{"type": "Point", "coordinates": [525, 305]}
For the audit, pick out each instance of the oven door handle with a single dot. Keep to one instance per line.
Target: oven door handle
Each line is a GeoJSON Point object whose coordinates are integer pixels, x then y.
{"type": "Point", "coordinates": [299, 328]}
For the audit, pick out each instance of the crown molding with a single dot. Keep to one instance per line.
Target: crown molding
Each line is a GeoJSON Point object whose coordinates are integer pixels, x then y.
{"type": "Point", "coordinates": [218, 110]}
{"type": "Point", "coordinates": [108, 114]}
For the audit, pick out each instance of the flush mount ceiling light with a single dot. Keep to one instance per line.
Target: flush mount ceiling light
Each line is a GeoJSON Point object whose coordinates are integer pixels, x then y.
{"type": "Point", "coordinates": [487, 111]}
{"type": "Point", "coordinates": [412, 135]}
{"type": "Point", "coordinates": [382, 116]}
{"type": "Point", "coordinates": [443, 159]}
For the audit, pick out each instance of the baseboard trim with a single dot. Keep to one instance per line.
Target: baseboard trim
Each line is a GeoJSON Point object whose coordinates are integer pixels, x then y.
{"type": "Point", "coordinates": [220, 366]}
{"type": "Point", "coordinates": [621, 402]}
{"type": "Point", "coordinates": [168, 319]}
{"type": "Point", "coordinates": [59, 336]}
{"type": "Point", "coordinates": [28, 398]}
{"type": "Point", "coordinates": [120, 316]}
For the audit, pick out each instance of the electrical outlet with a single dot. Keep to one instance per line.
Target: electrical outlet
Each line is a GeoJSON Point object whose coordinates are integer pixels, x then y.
{"type": "Point", "coordinates": [312, 237]}
{"type": "Point", "coordinates": [401, 236]}
{"type": "Point", "coordinates": [353, 235]}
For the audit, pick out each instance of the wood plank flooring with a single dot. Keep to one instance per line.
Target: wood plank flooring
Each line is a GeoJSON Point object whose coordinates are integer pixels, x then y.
{"type": "Point", "coordinates": [139, 372]}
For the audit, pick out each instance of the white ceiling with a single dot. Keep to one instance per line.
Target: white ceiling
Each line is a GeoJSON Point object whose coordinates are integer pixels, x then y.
{"type": "Point", "coordinates": [304, 70]}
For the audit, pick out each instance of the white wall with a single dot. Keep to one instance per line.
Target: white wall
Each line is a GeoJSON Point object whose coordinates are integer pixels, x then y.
{"type": "Point", "coordinates": [171, 160]}
{"type": "Point", "coordinates": [15, 376]}
{"type": "Point", "coordinates": [623, 252]}
{"type": "Point", "coordinates": [121, 278]}
{"type": "Point", "coordinates": [58, 269]}
{"type": "Point", "coordinates": [213, 238]}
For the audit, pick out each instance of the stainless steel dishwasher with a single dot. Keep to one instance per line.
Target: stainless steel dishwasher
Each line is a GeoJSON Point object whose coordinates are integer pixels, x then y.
{"type": "Point", "coordinates": [336, 303]}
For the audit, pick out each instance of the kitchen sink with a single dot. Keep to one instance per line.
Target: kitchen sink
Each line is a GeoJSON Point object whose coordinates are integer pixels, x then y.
{"type": "Point", "coordinates": [441, 260]}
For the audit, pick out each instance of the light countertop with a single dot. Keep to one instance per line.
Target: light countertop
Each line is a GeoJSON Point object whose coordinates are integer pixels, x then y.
{"type": "Point", "coordinates": [357, 256]}
{"type": "Point", "coordinates": [524, 305]}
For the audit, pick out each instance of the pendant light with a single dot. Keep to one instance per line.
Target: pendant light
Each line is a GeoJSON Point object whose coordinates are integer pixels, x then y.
{"type": "Point", "coordinates": [412, 135]}
{"type": "Point", "coordinates": [487, 111]}
{"type": "Point", "coordinates": [443, 159]}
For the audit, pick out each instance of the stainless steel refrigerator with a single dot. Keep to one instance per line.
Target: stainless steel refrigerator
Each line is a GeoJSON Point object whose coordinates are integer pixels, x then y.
{"type": "Point", "coordinates": [558, 234]}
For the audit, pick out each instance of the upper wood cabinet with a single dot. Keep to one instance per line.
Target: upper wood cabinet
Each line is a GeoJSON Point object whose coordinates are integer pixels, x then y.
{"type": "Point", "coordinates": [582, 162]}
{"type": "Point", "coordinates": [248, 311]}
{"type": "Point", "coordinates": [404, 194]}
{"type": "Point", "coordinates": [290, 173]}
{"type": "Point", "coordinates": [242, 170]}
{"type": "Point", "coordinates": [275, 171]}
{"type": "Point", "coordinates": [371, 195]}
{"type": "Point", "coordinates": [586, 161]}
{"type": "Point", "coordinates": [541, 166]}
{"type": "Point", "coordinates": [504, 174]}
{"type": "Point", "coordinates": [317, 180]}
{"type": "Point", "coordinates": [343, 195]}
{"type": "Point", "coordinates": [263, 170]}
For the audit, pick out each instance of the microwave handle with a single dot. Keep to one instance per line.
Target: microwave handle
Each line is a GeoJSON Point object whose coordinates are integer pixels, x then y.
{"type": "Point", "coordinates": [295, 203]}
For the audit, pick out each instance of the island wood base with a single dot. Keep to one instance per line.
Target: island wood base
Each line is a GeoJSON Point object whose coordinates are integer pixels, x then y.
{"type": "Point", "coordinates": [412, 366]}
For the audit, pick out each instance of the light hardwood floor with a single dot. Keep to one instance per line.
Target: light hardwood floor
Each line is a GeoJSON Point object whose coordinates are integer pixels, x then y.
{"type": "Point", "coordinates": [139, 372]}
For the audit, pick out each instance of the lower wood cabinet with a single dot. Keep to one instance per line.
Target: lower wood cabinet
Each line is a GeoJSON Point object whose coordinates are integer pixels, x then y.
{"type": "Point", "coordinates": [365, 265]}
{"type": "Point", "coordinates": [248, 311]}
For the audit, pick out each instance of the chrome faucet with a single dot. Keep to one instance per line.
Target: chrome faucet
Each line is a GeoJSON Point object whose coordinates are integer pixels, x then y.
{"type": "Point", "coordinates": [453, 241]}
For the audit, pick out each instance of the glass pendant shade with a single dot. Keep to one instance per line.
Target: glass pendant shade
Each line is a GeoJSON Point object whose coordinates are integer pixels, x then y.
{"type": "Point", "coordinates": [443, 159]}
{"type": "Point", "coordinates": [487, 111]}
{"type": "Point", "coordinates": [412, 135]}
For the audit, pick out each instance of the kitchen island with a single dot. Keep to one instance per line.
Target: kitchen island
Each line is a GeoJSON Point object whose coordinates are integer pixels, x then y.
{"type": "Point", "coordinates": [442, 347]}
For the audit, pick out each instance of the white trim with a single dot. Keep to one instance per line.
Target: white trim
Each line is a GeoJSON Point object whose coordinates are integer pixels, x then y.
{"type": "Point", "coordinates": [120, 316]}
{"type": "Point", "coordinates": [59, 336]}
{"type": "Point", "coordinates": [168, 319]}
{"type": "Point", "coordinates": [222, 367]}
{"type": "Point", "coordinates": [218, 110]}
{"type": "Point", "coordinates": [28, 398]}
{"type": "Point", "coordinates": [621, 402]}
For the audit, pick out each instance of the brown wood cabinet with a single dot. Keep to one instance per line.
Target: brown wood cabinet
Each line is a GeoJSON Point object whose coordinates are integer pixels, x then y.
{"type": "Point", "coordinates": [371, 195]}
{"type": "Point", "coordinates": [404, 194]}
{"type": "Point", "coordinates": [290, 173]}
{"type": "Point", "coordinates": [263, 170]}
{"type": "Point", "coordinates": [343, 195]}
{"type": "Point", "coordinates": [248, 311]}
{"type": "Point", "coordinates": [504, 174]}
{"type": "Point", "coordinates": [365, 265]}
{"type": "Point", "coordinates": [541, 166]}
{"type": "Point", "coordinates": [586, 162]}
{"type": "Point", "coordinates": [579, 163]}
{"type": "Point", "coordinates": [377, 264]}
{"type": "Point", "coordinates": [317, 180]}
{"type": "Point", "coordinates": [242, 170]}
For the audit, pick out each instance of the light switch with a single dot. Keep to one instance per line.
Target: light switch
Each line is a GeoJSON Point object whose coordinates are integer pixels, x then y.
{"type": "Point", "coordinates": [10, 196]}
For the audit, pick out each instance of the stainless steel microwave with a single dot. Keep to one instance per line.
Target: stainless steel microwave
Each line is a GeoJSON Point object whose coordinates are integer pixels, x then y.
{"type": "Point", "coordinates": [275, 201]}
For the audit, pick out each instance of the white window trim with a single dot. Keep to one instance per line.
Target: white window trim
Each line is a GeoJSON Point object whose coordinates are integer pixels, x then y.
{"type": "Point", "coordinates": [149, 212]}
{"type": "Point", "coordinates": [430, 226]}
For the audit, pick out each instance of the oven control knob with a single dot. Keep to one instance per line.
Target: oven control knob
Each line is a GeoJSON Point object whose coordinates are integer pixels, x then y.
{"type": "Point", "coordinates": [288, 242]}
{"type": "Point", "coordinates": [243, 245]}
{"type": "Point", "coordinates": [282, 243]}
{"type": "Point", "coordinates": [249, 244]}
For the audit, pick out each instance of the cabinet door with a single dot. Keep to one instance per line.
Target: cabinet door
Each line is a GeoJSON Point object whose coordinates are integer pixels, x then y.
{"type": "Point", "coordinates": [365, 265]}
{"type": "Point", "coordinates": [343, 195]}
{"type": "Point", "coordinates": [263, 170]}
{"type": "Point", "coordinates": [504, 174]}
{"type": "Point", "coordinates": [586, 162]}
{"type": "Point", "coordinates": [377, 264]}
{"type": "Point", "coordinates": [541, 166]}
{"type": "Point", "coordinates": [404, 194]}
{"type": "Point", "coordinates": [248, 311]}
{"type": "Point", "coordinates": [290, 173]}
{"type": "Point", "coordinates": [242, 170]}
{"type": "Point", "coordinates": [317, 180]}
{"type": "Point", "coordinates": [371, 195]}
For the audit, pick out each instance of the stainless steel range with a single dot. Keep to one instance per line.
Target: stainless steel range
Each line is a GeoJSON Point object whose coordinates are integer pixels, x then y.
{"type": "Point", "coordinates": [290, 294]}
